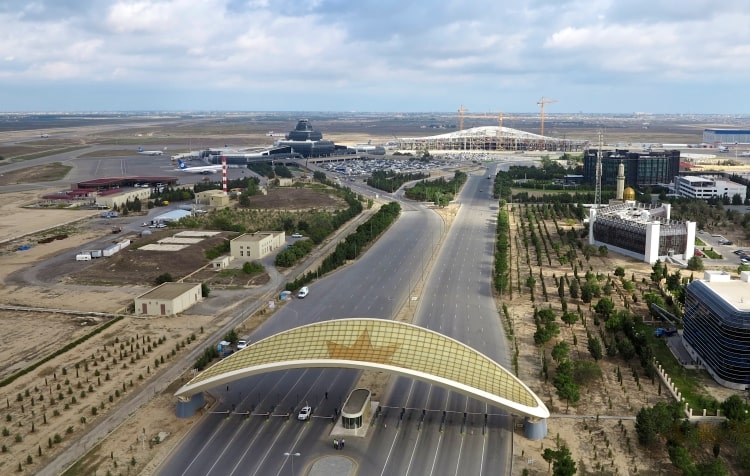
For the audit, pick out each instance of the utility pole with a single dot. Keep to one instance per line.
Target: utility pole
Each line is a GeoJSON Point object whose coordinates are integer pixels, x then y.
{"type": "Point", "coordinates": [598, 190]}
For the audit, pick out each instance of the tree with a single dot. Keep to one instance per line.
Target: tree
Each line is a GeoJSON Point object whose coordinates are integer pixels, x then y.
{"type": "Point", "coordinates": [163, 278]}
{"type": "Point", "coordinates": [646, 427]}
{"type": "Point", "coordinates": [595, 347]}
{"type": "Point", "coordinates": [695, 263]}
{"type": "Point", "coordinates": [657, 271]}
{"type": "Point", "coordinates": [605, 307]}
{"type": "Point", "coordinates": [560, 460]}
{"type": "Point", "coordinates": [586, 294]}
{"type": "Point", "coordinates": [560, 351]}
{"type": "Point", "coordinates": [734, 408]}
{"type": "Point", "coordinates": [569, 318]}
{"type": "Point", "coordinates": [574, 288]}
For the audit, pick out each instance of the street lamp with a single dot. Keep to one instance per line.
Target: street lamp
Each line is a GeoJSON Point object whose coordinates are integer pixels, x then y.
{"type": "Point", "coordinates": [292, 455]}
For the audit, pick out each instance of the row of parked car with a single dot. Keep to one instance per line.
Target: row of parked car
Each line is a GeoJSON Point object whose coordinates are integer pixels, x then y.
{"type": "Point", "coordinates": [744, 257]}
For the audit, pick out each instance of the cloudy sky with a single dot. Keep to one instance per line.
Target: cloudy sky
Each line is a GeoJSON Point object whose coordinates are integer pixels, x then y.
{"type": "Point", "coordinates": [593, 56]}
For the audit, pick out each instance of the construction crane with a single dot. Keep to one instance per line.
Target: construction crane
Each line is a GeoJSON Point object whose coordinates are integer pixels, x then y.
{"type": "Point", "coordinates": [461, 111]}
{"type": "Point", "coordinates": [541, 104]}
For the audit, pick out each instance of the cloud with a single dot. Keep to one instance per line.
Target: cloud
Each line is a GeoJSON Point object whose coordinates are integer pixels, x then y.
{"type": "Point", "coordinates": [503, 54]}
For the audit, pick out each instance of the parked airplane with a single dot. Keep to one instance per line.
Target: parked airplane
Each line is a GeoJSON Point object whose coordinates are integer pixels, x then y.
{"type": "Point", "coordinates": [203, 169]}
{"type": "Point", "coordinates": [150, 152]}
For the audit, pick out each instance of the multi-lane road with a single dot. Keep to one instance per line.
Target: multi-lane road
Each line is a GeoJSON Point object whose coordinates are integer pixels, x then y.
{"type": "Point", "coordinates": [423, 429]}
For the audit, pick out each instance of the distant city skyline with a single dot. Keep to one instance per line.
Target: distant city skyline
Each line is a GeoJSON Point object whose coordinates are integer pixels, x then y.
{"type": "Point", "coordinates": [601, 56]}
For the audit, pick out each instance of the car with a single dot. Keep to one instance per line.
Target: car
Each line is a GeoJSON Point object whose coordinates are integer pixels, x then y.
{"type": "Point", "coordinates": [161, 225]}
{"type": "Point", "coordinates": [241, 344]}
{"type": "Point", "coordinates": [481, 190]}
{"type": "Point", "coordinates": [303, 292]}
{"type": "Point", "coordinates": [744, 260]}
{"type": "Point", "coordinates": [739, 252]}
{"type": "Point", "coordinates": [144, 224]}
{"type": "Point", "coordinates": [296, 235]}
{"type": "Point", "coordinates": [304, 414]}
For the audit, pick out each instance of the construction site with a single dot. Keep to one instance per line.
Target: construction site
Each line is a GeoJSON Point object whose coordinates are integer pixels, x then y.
{"type": "Point", "coordinates": [492, 138]}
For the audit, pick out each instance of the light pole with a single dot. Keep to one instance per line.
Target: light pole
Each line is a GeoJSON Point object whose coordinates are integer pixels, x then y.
{"type": "Point", "coordinates": [292, 455]}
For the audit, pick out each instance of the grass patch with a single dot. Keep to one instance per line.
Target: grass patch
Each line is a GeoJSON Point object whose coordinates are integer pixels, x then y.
{"type": "Point", "coordinates": [699, 242]}
{"type": "Point", "coordinates": [684, 380]}
{"type": "Point", "coordinates": [712, 254]}
{"type": "Point", "coordinates": [45, 153]}
{"type": "Point", "coordinates": [229, 273]}
{"type": "Point", "coordinates": [41, 173]}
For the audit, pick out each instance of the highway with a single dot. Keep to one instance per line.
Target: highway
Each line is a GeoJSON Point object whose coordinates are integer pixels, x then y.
{"type": "Point", "coordinates": [253, 424]}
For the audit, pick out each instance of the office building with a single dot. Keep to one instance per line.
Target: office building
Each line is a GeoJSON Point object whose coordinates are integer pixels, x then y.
{"type": "Point", "coordinates": [716, 329]}
{"type": "Point", "coordinates": [641, 169]}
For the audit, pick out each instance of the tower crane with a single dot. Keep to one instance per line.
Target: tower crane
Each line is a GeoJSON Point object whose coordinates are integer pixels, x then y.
{"type": "Point", "coordinates": [461, 111]}
{"type": "Point", "coordinates": [541, 104]}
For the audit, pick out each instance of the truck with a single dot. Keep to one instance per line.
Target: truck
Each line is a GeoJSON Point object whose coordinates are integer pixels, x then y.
{"type": "Point", "coordinates": [665, 332]}
{"type": "Point", "coordinates": [110, 214]}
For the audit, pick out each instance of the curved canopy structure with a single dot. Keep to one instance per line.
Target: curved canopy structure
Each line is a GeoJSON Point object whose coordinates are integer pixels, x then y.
{"type": "Point", "coordinates": [378, 344]}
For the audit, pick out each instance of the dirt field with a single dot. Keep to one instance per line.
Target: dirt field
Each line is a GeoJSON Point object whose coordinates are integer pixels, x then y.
{"type": "Point", "coordinates": [129, 360]}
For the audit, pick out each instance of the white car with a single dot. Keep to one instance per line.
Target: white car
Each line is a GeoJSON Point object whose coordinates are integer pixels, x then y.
{"type": "Point", "coordinates": [296, 235]}
{"type": "Point", "coordinates": [304, 414]}
{"type": "Point", "coordinates": [303, 292]}
{"type": "Point", "coordinates": [241, 344]}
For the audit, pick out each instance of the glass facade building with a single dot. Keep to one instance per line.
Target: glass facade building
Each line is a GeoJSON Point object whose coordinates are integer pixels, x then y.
{"type": "Point", "coordinates": [717, 327]}
{"type": "Point", "coordinates": [641, 169]}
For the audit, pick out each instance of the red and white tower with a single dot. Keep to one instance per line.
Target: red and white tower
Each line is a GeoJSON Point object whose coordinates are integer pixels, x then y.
{"type": "Point", "coordinates": [224, 174]}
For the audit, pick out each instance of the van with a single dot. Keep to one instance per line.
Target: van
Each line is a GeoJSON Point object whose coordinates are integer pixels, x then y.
{"type": "Point", "coordinates": [303, 292]}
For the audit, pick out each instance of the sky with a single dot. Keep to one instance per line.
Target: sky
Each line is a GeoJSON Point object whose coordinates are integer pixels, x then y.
{"type": "Point", "coordinates": [591, 56]}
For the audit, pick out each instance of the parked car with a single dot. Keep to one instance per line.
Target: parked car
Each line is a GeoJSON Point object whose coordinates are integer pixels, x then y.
{"type": "Point", "coordinates": [296, 235]}
{"type": "Point", "coordinates": [303, 292]}
{"type": "Point", "coordinates": [304, 414]}
{"type": "Point", "coordinates": [241, 344]}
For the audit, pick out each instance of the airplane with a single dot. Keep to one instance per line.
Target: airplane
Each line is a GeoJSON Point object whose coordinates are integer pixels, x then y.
{"type": "Point", "coordinates": [204, 169]}
{"type": "Point", "coordinates": [150, 152]}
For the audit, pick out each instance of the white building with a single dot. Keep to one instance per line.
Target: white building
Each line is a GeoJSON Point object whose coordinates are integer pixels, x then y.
{"type": "Point", "coordinates": [643, 233]}
{"type": "Point", "coordinates": [168, 299]}
{"type": "Point", "coordinates": [256, 245]}
{"type": "Point", "coordinates": [708, 187]}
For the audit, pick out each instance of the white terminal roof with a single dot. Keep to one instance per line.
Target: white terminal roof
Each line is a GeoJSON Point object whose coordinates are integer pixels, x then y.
{"type": "Point", "coordinates": [487, 131]}
{"type": "Point", "coordinates": [734, 291]}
